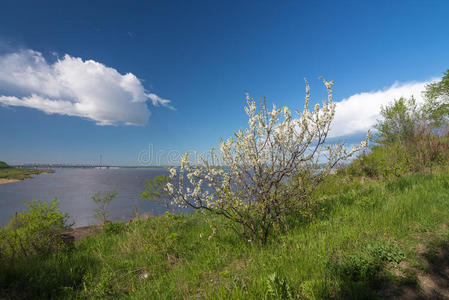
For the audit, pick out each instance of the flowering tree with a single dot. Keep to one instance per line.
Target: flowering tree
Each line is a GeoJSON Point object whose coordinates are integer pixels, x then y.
{"type": "Point", "coordinates": [268, 169]}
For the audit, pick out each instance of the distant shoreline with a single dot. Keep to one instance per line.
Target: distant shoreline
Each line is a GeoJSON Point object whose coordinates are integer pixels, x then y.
{"type": "Point", "coordinates": [18, 174]}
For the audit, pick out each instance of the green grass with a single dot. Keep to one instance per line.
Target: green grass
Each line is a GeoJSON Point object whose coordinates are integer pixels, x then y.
{"type": "Point", "coordinates": [359, 230]}
{"type": "Point", "coordinates": [20, 173]}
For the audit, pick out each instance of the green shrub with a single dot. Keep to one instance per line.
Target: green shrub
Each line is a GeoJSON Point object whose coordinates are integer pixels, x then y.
{"type": "Point", "coordinates": [409, 138]}
{"type": "Point", "coordinates": [115, 228]}
{"type": "Point", "coordinates": [4, 165]}
{"type": "Point", "coordinates": [395, 159]}
{"type": "Point", "coordinates": [362, 273]}
{"type": "Point", "coordinates": [155, 192]}
{"type": "Point", "coordinates": [367, 264]}
{"type": "Point", "coordinates": [35, 231]}
{"type": "Point", "coordinates": [390, 160]}
{"type": "Point", "coordinates": [437, 100]}
{"type": "Point", "coordinates": [400, 121]}
{"type": "Point", "coordinates": [279, 288]}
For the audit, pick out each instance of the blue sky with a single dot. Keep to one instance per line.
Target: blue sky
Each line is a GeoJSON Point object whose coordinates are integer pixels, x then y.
{"type": "Point", "coordinates": [202, 56]}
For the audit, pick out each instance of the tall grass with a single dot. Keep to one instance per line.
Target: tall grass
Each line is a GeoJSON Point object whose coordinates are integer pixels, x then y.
{"type": "Point", "coordinates": [359, 230]}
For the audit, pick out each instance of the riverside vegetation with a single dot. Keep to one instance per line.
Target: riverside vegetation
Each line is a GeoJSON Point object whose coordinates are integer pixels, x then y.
{"type": "Point", "coordinates": [368, 231]}
{"type": "Point", "coordinates": [10, 173]}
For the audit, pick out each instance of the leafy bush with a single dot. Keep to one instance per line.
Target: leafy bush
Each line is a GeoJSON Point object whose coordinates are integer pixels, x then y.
{"type": "Point", "coordinates": [437, 101]}
{"type": "Point", "coordinates": [155, 191]}
{"type": "Point", "coordinates": [4, 165]}
{"type": "Point", "coordinates": [278, 288]}
{"type": "Point", "coordinates": [366, 264]}
{"type": "Point", "coordinates": [410, 138]}
{"type": "Point", "coordinates": [394, 160]}
{"type": "Point", "coordinates": [400, 121]}
{"type": "Point", "coordinates": [361, 273]}
{"type": "Point", "coordinates": [115, 228]}
{"type": "Point", "coordinates": [386, 252]}
{"type": "Point", "coordinates": [36, 231]}
{"type": "Point", "coordinates": [381, 161]}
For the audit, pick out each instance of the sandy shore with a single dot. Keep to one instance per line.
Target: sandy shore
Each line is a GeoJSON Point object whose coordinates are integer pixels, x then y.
{"type": "Point", "coordinates": [2, 181]}
{"type": "Point", "coordinates": [46, 172]}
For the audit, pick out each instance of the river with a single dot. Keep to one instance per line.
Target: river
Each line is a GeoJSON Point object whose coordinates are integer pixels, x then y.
{"type": "Point", "coordinates": [74, 188]}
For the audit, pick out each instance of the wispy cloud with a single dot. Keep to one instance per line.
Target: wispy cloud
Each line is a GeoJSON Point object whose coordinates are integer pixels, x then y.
{"type": "Point", "coordinates": [360, 112]}
{"type": "Point", "coordinates": [74, 87]}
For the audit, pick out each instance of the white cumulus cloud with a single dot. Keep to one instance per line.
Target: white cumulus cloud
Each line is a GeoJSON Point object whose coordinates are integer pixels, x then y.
{"type": "Point", "coordinates": [74, 87]}
{"type": "Point", "coordinates": [360, 112]}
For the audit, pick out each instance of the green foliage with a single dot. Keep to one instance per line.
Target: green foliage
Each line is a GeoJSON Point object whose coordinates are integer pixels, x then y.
{"type": "Point", "coordinates": [382, 161]}
{"type": "Point", "coordinates": [438, 89]}
{"type": "Point", "coordinates": [437, 100]}
{"type": "Point", "coordinates": [424, 153]}
{"type": "Point", "coordinates": [36, 231]}
{"type": "Point", "coordinates": [115, 228]}
{"type": "Point", "coordinates": [101, 212]}
{"type": "Point", "coordinates": [154, 188]}
{"type": "Point", "coordinates": [4, 165]}
{"type": "Point", "coordinates": [19, 173]}
{"type": "Point", "coordinates": [399, 121]}
{"type": "Point", "coordinates": [386, 252]}
{"type": "Point", "coordinates": [396, 152]}
{"type": "Point", "coordinates": [408, 140]}
{"type": "Point", "coordinates": [364, 271]}
{"type": "Point", "coordinates": [278, 288]}
{"type": "Point", "coordinates": [155, 191]}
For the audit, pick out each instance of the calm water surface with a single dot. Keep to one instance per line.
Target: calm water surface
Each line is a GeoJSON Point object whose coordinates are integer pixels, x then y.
{"type": "Point", "coordinates": [74, 189]}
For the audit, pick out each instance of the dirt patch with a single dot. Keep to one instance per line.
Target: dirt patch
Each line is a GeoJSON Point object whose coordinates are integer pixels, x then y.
{"type": "Point", "coordinates": [79, 233]}
{"type": "Point", "coordinates": [433, 283]}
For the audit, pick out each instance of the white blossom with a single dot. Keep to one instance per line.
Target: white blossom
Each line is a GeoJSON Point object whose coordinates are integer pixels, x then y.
{"type": "Point", "coordinates": [277, 147]}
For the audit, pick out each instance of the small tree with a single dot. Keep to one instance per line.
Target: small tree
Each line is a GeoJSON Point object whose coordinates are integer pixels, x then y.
{"type": "Point", "coordinates": [268, 169]}
{"type": "Point", "coordinates": [412, 138]}
{"type": "Point", "coordinates": [101, 212]}
{"type": "Point", "coordinates": [155, 190]}
{"type": "Point", "coordinates": [437, 101]}
{"type": "Point", "coordinates": [400, 121]}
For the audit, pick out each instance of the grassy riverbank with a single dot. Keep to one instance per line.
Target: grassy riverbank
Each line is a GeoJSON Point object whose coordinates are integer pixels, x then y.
{"type": "Point", "coordinates": [10, 174]}
{"type": "Point", "coordinates": [366, 239]}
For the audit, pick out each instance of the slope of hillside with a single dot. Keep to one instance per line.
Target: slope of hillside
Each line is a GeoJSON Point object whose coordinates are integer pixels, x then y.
{"type": "Point", "coordinates": [362, 239]}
